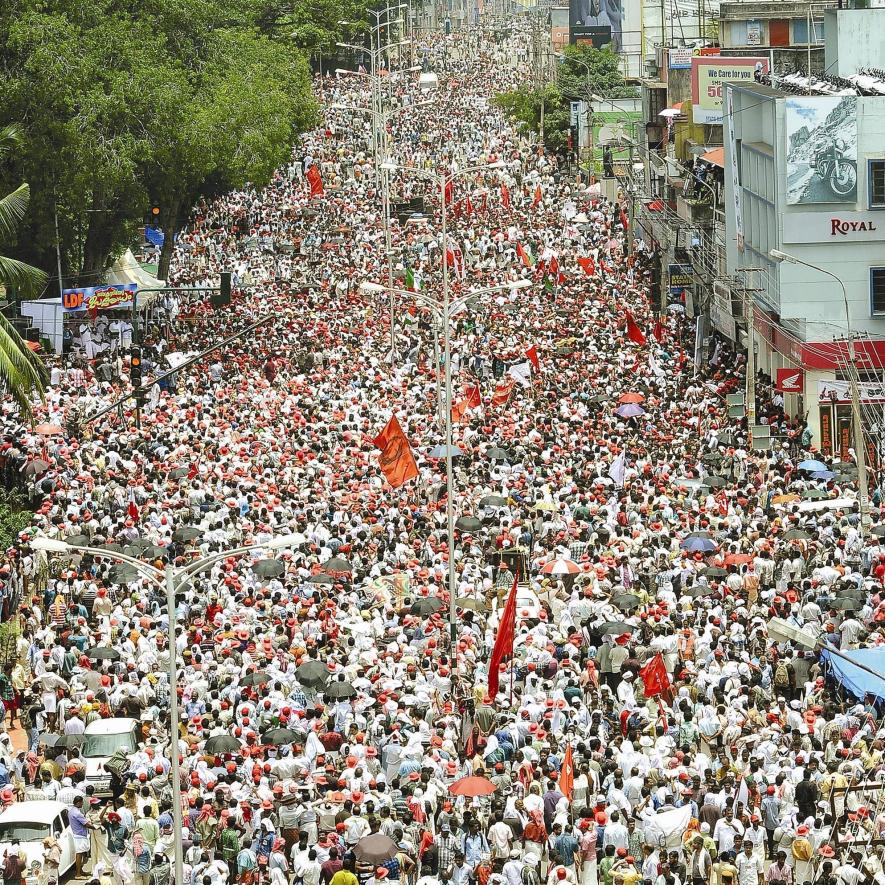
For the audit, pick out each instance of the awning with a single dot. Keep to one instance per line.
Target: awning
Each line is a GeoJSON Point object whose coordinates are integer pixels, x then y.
{"type": "Point", "coordinates": [716, 157]}
{"type": "Point", "coordinates": [857, 681]}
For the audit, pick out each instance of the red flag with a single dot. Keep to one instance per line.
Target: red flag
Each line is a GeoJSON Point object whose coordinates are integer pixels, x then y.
{"type": "Point", "coordinates": [503, 389]}
{"type": "Point", "coordinates": [459, 410]}
{"type": "Point", "coordinates": [624, 221]}
{"type": "Point", "coordinates": [316, 182]}
{"type": "Point", "coordinates": [132, 507]}
{"type": "Point", "coordinates": [396, 459]}
{"type": "Point", "coordinates": [654, 677]}
{"type": "Point", "coordinates": [456, 209]}
{"type": "Point", "coordinates": [485, 202]}
{"type": "Point", "coordinates": [472, 395]}
{"type": "Point", "coordinates": [538, 196]}
{"type": "Point", "coordinates": [567, 774]}
{"type": "Point", "coordinates": [636, 363]}
{"type": "Point", "coordinates": [634, 333]}
{"type": "Point", "coordinates": [447, 192]}
{"type": "Point", "coordinates": [554, 266]}
{"type": "Point", "coordinates": [505, 196]}
{"type": "Point", "coordinates": [658, 331]}
{"type": "Point", "coordinates": [503, 641]}
{"type": "Point", "coordinates": [532, 354]}
{"type": "Point", "coordinates": [524, 256]}
{"type": "Point", "coordinates": [587, 266]}
{"type": "Point", "coordinates": [468, 206]}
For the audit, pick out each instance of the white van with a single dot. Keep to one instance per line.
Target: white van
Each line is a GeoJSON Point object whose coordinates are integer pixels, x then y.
{"type": "Point", "coordinates": [30, 823]}
{"type": "Point", "coordinates": [100, 741]}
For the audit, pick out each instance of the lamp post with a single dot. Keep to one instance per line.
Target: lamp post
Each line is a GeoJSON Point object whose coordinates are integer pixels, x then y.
{"type": "Point", "coordinates": [169, 579]}
{"type": "Point", "coordinates": [857, 425]}
{"type": "Point", "coordinates": [444, 312]}
{"type": "Point", "coordinates": [590, 96]}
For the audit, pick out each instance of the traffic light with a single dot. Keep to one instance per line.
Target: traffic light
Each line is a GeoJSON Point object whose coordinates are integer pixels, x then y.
{"type": "Point", "coordinates": [155, 215]}
{"type": "Point", "coordinates": [135, 367]}
{"type": "Point", "coordinates": [223, 296]}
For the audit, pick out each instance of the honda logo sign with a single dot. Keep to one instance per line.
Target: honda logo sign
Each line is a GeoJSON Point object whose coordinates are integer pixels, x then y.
{"type": "Point", "coordinates": [790, 380]}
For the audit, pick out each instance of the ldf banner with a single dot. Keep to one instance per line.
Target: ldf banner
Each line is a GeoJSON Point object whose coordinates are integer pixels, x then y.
{"type": "Point", "coordinates": [118, 295]}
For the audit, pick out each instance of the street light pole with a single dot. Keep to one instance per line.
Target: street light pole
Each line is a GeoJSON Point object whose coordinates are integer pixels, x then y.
{"type": "Point", "coordinates": [857, 424]}
{"type": "Point", "coordinates": [169, 579]}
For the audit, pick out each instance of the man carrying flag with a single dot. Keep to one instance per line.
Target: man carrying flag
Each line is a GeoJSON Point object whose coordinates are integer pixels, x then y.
{"type": "Point", "coordinates": [634, 333]}
{"type": "Point", "coordinates": [315, 180]}
{"type": "Point", "coordinates": [532, 356]}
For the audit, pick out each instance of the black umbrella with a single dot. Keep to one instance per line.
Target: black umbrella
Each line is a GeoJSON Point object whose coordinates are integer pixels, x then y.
{"type": "Point", "coordinates": [186, 533]}
{"type": "Point", "coordinates": [716, 482]}
{"type": "Point", "coordinates": [222, 743]}
{"type": "Point", "coordinates": [626, 601]}
{"type": "Point", "coordinates": [698, 590]}
{"type": "Point", "coordinates": [426, 605]}
{"type": "Point", "coordinates": [797, 535]}
{"type": "Point", "coordinates": [471, 602]}
{"type": "Point", "coordinates": [179, 472]}
{"type": "Point", "coordinates": [337, 565]}
{"type": "Point", "coordinates": [112, 548]}
{"type": "Point", "coordinates": [497, 454]}
{"type": "Point", "coordinates": [69, 740]}
{"type": "Point", "coordinates": [313, 674]}
{"type": "Point", "coordinates": [36, 467]}
{"type": "Point", "coordinates": [320, 579]}
{"type": "Point", "coordinates": [616, 627]}
{"type": "Point", "coordinates": [726, 439]}
{"type": "Point", "coordinates": [77, 540]}
{"type": "Point", "coordinates": [123, 574]}
{"type": "Point", "coordinates": [340, 690]}
{"type": "Point", "coordinates": [279, 737]}
{"type": "Point", "coordinates": [268, 568]}
{"type": "Point", "coordinates": [48, 740]}
{"type": "Point", "coordinates": [713, 571]}
{"type": "Point", "coordinates": [468, 524]}
{"type": "Point", "coordinates": [492, 501]}
{"type": "Point", "coordinates": [711, 458]}
{"type": "Point", "coordinates": [878, 530]}
{"type": "Point", "coordinates": [375, 849]}
{"type": "Point", "coordinates": [102, 653]}
{"type": "Point", "coordinates": [255, 677]}
{"type": "Point", "coordinates": [846, 604]}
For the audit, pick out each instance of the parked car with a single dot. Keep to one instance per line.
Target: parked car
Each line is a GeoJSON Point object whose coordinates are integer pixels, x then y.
{"type": "Point", "coordinates": [29, 823]}
{"type": "Point", "coordinates": [100, 741]}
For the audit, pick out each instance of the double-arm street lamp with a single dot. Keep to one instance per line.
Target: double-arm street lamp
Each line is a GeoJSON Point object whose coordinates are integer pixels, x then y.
{"type": "Point", "coordinates": [171, 579]}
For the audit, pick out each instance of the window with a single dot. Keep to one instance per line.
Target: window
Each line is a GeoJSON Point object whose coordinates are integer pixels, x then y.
{"type": "Point", "coordinates": [800, 31]}
{"type": "Point", "coordinates": [877, 291]}
{"type": "Point", "coordinates": [876, 174]}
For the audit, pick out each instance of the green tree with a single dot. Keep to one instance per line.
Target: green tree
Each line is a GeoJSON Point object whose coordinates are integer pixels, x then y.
{"type": "Point", "coordinates": [128, 105]}
{"type": "Point", "coordinates": [22, 373]}
{"type": "Point", "coordinates": [586, 71]}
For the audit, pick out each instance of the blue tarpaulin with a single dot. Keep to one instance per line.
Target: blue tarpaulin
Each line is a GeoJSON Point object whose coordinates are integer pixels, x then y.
{"type": "Point", "coordinates": [154, 236]}
{"type": "Point", "coordinates": [856, 681]}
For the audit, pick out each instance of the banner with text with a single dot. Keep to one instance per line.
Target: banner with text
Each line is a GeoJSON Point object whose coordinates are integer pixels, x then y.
{"type": "Point", "coordinates": [116, 296]}
{"type": "Point", "coordinates": [709, 73]}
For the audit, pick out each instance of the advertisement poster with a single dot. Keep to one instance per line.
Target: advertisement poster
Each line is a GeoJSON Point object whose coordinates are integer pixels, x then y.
{"type": "Point", "coordinates": [708, 73]}
{"type": "Point", "coordinates": [680, 59]}
{"type": "Point", "coordinates": [790, 380]}
{"type": "Point", "coordinates": [116, 296]}
{"type": "Point", "coordinates": [754, 33]}
{"type": "Point", "coordinates": [599, 22]}
{"type": "Point", "coordinates": [821, 149]}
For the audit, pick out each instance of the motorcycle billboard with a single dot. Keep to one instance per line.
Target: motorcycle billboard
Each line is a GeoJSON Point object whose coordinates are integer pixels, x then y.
{"type": "Point", "coordinates": [821, 149]}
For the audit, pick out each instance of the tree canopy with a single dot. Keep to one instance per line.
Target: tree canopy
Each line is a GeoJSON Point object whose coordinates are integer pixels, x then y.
{"type": "Point", "coordinates": [123, 107]}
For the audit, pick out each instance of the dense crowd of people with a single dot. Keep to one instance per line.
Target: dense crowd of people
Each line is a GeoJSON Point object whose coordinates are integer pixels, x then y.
{"type": "Point", "coordinates": [646, 725]}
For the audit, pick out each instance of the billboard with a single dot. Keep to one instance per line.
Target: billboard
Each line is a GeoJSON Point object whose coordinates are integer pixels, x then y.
{"type": "Point", "coordinates": [599, 22]}
{"type": "Point", "coordinates": [117, 296]}
{"type": "Point", "coordinates": [821, 149]}
{"type": "Point", "coordinates": [708, 73]}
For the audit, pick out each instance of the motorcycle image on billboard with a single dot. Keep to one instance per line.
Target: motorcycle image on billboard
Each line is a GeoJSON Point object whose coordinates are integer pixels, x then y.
{"type": "Point", "coordinates": [821, 149]}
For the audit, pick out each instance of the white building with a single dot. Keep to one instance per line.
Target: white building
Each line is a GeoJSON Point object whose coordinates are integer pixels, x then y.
{"type": "Point", "coordinates": [793, 158]}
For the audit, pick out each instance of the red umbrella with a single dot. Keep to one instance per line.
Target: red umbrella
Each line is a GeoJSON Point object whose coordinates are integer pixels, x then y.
{"type": "Point", "coordinates": [738, 558]}
{"type": "Point", "coordinates": [631, 398]}
{"type": "Point", "coordinates": [561, 567]}
{"type": "Point", "coordinates": [472, 786]}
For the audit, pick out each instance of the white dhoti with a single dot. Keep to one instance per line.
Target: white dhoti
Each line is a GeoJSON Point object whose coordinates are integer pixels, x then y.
{"type": "Point", "coordinates": [588, 872]}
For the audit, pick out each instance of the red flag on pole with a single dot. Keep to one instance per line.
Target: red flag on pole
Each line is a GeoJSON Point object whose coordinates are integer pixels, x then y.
{"type": "Point", "coordinates": [503, 389]}
{"type": "Point", "coordinates": [447, 192]}
{"type": "Point", "coordinates": [538, 196]}
{"type": "Point", "coordinates": [503, 641]}
{"type": "Point", "coordinates": [472, 395]}
{"type": "Point", "coordinates": [505, 196]}
{"type": "Point", "coordinates": [397, 460]}
{"type": "Point", "coordinates": [456, 209]}
{"type": "Point", "coordinates": [587, 265]}
{"type": "Point", "coordinates": [316, 182]}
{"type": "Point", "coordinates": [524, 256]}
{"type": "Point", "coordinates": [654, 677]}
{"type": "Point", "coordinates": [468, 206]}
{"type": "Point", "coordinates": [567, 774]}
{"type": "Point", "coordinates": [658, 331]}
{"type": "Point", "coordinates": [532, 354]}
{"type": "Point", "coordinates": [634, 333]}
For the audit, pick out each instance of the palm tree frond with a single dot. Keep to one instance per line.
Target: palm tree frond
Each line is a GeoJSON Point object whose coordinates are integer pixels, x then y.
{"type": "Point", "coordinates": [24, 278]}
{"type": "Point", "coordinates": [22, 372]}
{"type": "Point", "coordinates": [10, 137]}
{"type": "Point", "coordinates": [12, 209]}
